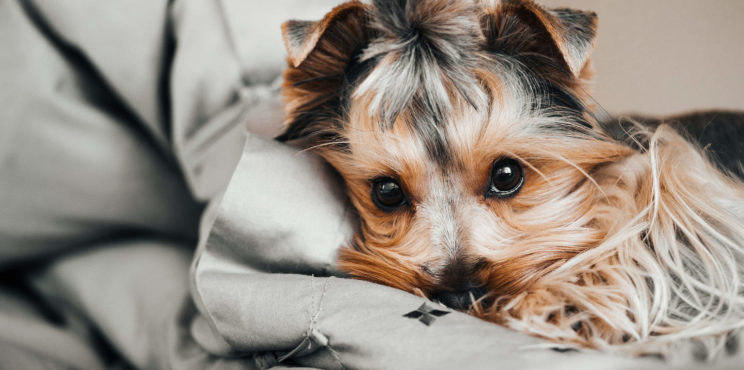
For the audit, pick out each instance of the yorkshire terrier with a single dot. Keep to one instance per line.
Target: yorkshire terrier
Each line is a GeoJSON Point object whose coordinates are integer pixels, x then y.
{"type": "Point", "coordinates": [483, 178]}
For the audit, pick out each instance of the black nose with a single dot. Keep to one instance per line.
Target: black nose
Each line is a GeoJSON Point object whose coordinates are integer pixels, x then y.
{"type": "Point", "coordinates": [459, 300]}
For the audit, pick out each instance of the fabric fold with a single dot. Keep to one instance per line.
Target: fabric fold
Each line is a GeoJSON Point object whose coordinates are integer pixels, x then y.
{"type": "Point", "coordinates": [265, 281]}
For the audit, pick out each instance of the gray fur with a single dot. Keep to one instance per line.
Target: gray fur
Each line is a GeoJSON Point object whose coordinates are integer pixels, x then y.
{"type": "Point", "coordinates": [420, 61]}
{"type": "Point", "coordinates": [297, 33]}
{"type": "Point", "coordinates": [433, 49]}
{"type": "Point", "coordinates": [579, 30]}
{"type": "Point", "coordinates": [428, 52]}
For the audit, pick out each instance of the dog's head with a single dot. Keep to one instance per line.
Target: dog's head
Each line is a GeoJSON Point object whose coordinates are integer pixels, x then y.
{"type": "Point", "coordinates": [463, 132]}
{"type": "Point", "coordinates": [468, 145]}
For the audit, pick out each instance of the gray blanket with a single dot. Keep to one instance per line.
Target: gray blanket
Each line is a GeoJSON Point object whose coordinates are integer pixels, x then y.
{"type": "Point", "coordinates": [147, 219]}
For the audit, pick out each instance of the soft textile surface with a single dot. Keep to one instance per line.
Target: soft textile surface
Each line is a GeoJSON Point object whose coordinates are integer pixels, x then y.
{"type": "Point", "coordinates": [133, 132]}
{"type": "Point", "coordinates": [251, 303]}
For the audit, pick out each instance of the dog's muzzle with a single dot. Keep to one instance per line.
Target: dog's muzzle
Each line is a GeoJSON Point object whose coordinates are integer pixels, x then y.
{"type": "Point", "coordinates": [460, 300]}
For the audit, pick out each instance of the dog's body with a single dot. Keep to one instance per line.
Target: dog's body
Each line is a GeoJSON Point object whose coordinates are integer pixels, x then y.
{"type": "Point", "coordinates": [473, 157]}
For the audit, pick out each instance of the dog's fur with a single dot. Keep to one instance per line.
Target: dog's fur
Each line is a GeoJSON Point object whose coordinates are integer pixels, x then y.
{"type": "Point", "coordinates": [628, 244]}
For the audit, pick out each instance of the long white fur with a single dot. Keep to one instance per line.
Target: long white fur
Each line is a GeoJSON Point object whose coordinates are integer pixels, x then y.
{"type": "Point", "coordinates": [672, 269]}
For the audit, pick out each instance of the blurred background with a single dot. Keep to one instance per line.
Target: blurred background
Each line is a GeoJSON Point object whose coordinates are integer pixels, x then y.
{"type": "Point", "coordinates": [667, 56]}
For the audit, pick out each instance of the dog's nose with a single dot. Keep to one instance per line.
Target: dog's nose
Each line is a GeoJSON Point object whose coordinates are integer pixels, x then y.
{"type": "Point", "coordinates": [461, 299]}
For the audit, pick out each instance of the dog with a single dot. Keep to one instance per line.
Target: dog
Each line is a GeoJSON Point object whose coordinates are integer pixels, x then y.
{"type": "Point", "coordinates": [483, 178]}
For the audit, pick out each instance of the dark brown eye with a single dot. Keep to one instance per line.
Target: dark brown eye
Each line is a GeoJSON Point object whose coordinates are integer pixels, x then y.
{"type": "Point", "coordinates": [507, 178]}
{"type": "Point", "coordinates": [387, 194]}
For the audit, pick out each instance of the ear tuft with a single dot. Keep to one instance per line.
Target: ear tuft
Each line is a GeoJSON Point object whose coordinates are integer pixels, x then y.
{"type": "Point", "coordinates": [301, 37]}
{"type": "Point", "coordinates": [319, 56]}
{"type": "Point", "coordinates": [524, 27]}
{"type": "Point", "coordinates": [574, 32]}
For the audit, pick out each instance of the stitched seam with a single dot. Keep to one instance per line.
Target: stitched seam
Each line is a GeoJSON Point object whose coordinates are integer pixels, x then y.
{"type": "Point", "coordinates": [311, 307]}
{"type": "Point", "coordinates": [335, 355]}
{"type": "Point", "coordinates": [314, 322]}
{"type": "Point", "coordinates": [314, 318]}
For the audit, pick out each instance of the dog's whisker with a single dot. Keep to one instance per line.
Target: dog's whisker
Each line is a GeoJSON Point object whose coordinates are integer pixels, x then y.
{"type": "Point", "coordinates": [586, 175]}
{"type": "Point", "coordinates": [440, 113]}
{"type": "Point", "coordinates": [322, 145]}
{"type": "Point", "coordinates": [532, 167]}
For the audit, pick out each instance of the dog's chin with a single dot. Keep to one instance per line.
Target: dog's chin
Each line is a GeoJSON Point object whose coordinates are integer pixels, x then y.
{"type": "Point", "coordinates": [430, 110]}
{"type": "Point", "coordinates": [663, 265]}
{"type": "Point", "coordinates": [462, 300]}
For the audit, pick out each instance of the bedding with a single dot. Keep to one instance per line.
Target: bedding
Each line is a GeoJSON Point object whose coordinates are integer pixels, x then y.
{"type": "Point", "coordinates": [148, 220]}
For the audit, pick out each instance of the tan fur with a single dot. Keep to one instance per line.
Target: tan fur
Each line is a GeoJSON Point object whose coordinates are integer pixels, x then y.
{"type": "Point", "coordinates": [691, 215]}
{"type": "Point", "coordinates": [604, 246]}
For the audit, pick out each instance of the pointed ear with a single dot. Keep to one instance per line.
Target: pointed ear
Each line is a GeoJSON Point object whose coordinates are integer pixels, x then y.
{"type": "Point", "coordinates": [565, 35]}
{"type": "Point", "coordinates": [300, 38]}
{"type": "Point", "coordinates": [318, 54]}
{"type": "Point", "coordinates": [573, 31]}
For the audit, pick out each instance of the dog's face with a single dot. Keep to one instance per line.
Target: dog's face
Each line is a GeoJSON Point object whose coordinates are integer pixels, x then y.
{"type": "Point", "coordinates": [463, 136]}
{"type": "Point", "coordinates": [470, 152]}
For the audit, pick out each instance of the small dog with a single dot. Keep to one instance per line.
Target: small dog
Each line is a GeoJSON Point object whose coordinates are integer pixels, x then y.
{"type": "Point", "coordinates": [482, 178]}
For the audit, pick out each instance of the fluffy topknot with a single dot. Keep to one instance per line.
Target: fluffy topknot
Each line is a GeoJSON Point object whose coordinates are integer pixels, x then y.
{"type": "Point", "coordinates": [426, 51]}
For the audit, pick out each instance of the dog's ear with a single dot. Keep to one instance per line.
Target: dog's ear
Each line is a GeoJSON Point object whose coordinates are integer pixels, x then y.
{"type": "Point", "coordinates": [318, 55]}
{"type": "Point", "coordinates": [524, 28]}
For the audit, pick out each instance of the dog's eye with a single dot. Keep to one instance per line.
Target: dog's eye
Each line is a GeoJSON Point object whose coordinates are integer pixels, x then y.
{"type": "Point", "coordinates": [507, 178]}
{"type": "Point", "coordinates": [387, 194]}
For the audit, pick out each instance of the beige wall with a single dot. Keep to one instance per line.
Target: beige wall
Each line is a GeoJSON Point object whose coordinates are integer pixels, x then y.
{"type": "Point", "coordinates": [666, 56]}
